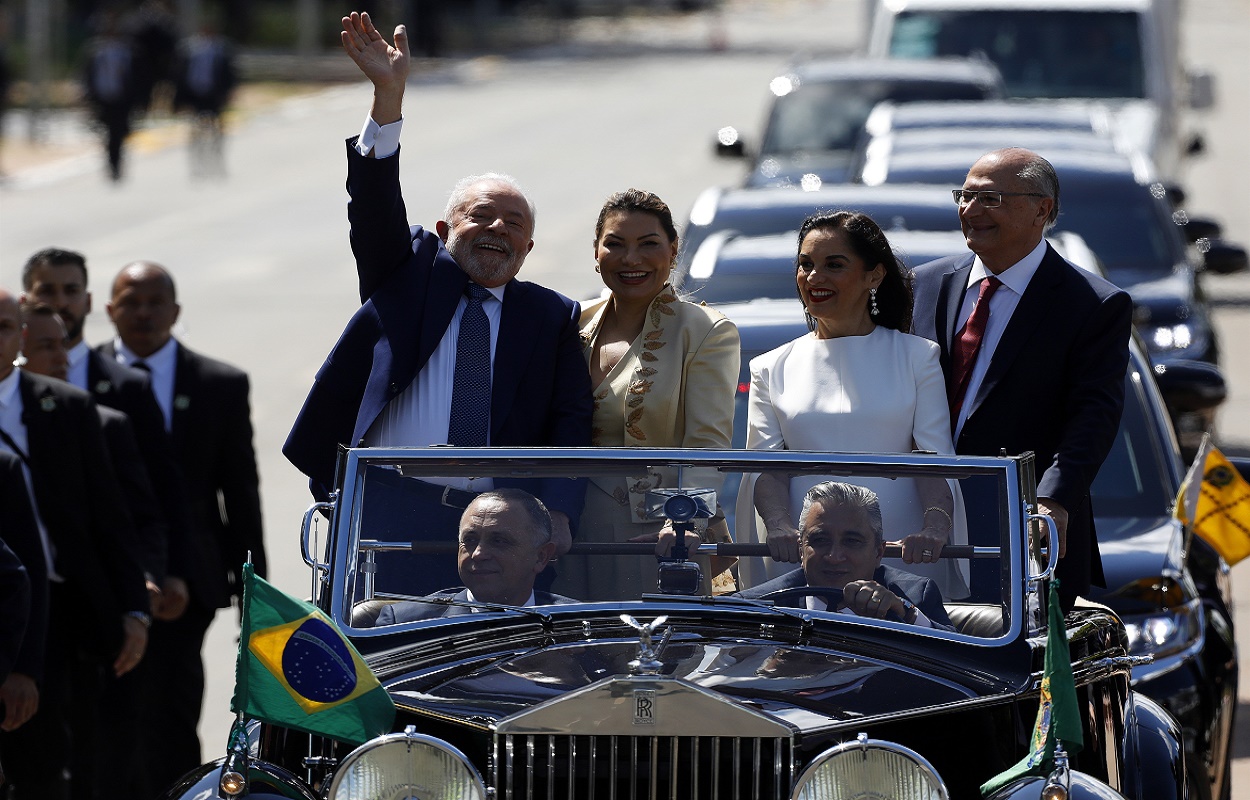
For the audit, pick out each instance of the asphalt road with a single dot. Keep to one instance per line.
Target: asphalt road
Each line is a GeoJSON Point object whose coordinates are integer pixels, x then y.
{"type": "Point", "coordinates": [265, 275]}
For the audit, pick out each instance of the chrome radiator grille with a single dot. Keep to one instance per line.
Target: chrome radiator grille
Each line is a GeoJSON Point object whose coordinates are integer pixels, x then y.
{"type": "Point", "coordinates": [537, 766]}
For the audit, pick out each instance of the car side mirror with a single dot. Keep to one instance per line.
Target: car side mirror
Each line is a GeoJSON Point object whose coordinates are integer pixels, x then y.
{"type": "Point", "coordinates": [729, 144]}
{"type": "Point", "coordinates": [1225, 258]}
{"type": "Point", "coordinates": [1201, 228]}
{"type": "Point", "coordinates": [1190, 386]}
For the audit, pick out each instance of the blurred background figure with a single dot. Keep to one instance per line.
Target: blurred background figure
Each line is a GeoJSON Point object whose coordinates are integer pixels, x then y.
{"type": "Point", "coordinates": [109, 81]}
{"type": "Point", "coordinates": [204, 78]}
{"type": "Point", "coordinates": [153, 32]}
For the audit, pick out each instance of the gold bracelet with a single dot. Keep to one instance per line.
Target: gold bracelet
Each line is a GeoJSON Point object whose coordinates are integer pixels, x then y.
{"type": "Point", "coordinates": [950, 523]}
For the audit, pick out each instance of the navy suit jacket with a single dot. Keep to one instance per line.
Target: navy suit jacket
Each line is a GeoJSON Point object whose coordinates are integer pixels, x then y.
{"type": "Point", "coordinates": [80, 502]}
{"type": "Point", "coordinates": [409, 289]}
{"type": "Point", "coordinates": [415, 610]}
{"type": "Point", "coordinates": [24, 597]}
{"type": "Point", "coordinates": [1055, 385]}
{"type": "Point", "coordinates": [922, 592]}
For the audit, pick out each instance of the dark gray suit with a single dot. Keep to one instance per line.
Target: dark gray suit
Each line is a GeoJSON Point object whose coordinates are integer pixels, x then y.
{"type": "Point", "coordinates": [415, 610]}
{"type": "Point", "coordinates": [922, 592]}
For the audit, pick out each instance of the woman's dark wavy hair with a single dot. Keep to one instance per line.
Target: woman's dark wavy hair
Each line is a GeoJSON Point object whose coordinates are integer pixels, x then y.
{"type": "Point", "coordinates": [637, 200]}
{"type": "Point", "coordinates": [894, 298]}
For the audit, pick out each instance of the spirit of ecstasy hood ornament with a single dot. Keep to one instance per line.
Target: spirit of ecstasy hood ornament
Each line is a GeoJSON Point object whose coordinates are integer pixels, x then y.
{"type": "Point", "coordinates": [647, 663]}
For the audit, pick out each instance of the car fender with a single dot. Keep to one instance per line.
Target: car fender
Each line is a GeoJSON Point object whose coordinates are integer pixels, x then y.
{"type": "Point", "coordinates": [1152, 753]}
{"type": "Point", "coordinates": [265, 782]}
{"type": "Point", "coordinates": [1082, 787]}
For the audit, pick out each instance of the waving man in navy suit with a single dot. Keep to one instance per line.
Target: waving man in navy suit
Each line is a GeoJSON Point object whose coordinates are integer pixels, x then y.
{"type": "Point", "coordinates": [448, 347]}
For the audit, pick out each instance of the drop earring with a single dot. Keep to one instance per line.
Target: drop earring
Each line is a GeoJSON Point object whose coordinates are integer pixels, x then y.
{"type": "Point", "coordinates": [872, 300]}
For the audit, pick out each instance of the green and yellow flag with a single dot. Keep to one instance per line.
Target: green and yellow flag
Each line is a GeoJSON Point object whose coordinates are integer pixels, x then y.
{"type": "Point", "coordinates": [1058, 715]}
{"type": "Point", "coordinates": [1214, 501]}
{"type": "Point", "coordinates": [296, 669]}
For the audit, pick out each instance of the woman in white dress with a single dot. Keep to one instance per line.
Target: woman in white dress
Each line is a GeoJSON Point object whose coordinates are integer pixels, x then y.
{"type": "Point", "coordinates": [858, 382]}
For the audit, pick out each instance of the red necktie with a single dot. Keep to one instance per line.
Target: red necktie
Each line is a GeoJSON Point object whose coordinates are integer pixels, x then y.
{"type": "Point", "coordinates": [967, 343]}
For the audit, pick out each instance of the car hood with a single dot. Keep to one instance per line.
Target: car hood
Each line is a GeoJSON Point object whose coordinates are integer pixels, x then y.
{"type": "Point", "coordinates": [1160, 300]}
{"type": "Point", "coordinates": [800, 687]}
{"type": "Point", "coordinates": [1134, 548]}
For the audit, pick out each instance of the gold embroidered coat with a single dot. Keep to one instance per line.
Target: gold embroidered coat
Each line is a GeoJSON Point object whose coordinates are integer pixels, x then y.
{"type": "Point", "coordinates": [674, 388]}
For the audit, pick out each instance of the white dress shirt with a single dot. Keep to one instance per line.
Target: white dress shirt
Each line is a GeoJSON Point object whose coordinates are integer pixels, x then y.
{"type": "Point", "coordinates": [1002, 304]}
{"type": "Point", "coordinates": [162, 366]}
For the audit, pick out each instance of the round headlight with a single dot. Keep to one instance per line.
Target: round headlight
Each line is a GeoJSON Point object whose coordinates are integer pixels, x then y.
{"type": "Point", "coordinates": [867, 769]}
{"type": "Point", "coordinates": [405, 766]}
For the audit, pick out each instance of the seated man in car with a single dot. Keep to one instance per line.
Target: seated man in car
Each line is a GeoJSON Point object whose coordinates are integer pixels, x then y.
{"type": "Point", "coordinates": [505, 541]}
{"type": "Point", "coordinates": [841, 548]}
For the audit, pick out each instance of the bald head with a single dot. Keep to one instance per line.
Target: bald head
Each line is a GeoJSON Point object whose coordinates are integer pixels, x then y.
{"type": "Point", "coordinates": [143, 307]}
{"type": "Point", "coordinates": [10, 331]}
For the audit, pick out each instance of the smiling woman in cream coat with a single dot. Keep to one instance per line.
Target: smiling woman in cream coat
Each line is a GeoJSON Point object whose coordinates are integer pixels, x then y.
{"type": "Point", "coordinates": [664, 373]}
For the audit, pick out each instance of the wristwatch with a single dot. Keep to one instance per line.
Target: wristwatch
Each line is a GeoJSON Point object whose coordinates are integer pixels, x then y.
{"type": "Point", "coordinates": [144, 619]}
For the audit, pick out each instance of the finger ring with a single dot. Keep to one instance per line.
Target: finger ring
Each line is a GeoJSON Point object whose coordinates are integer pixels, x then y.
{"type": "Point", "coordinates": [926, 553]}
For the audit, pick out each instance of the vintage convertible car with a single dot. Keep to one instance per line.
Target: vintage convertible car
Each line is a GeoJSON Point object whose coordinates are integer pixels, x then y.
{"type": "Point", "coordinates": [687, 693]}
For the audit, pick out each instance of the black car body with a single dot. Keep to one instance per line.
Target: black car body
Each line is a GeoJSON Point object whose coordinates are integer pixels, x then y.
{"type": "Point", "coordinates": [1170, 588]}
{"type": "Point", "coordinates": [819, 108]}
{"type": "Point", "coordinates": [696, 696]}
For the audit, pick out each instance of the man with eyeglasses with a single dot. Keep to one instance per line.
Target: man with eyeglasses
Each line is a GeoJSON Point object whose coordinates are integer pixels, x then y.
{"type": "Point", "coordinates": [1034, 351]}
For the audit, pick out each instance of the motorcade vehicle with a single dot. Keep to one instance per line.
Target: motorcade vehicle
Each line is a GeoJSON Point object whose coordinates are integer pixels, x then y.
{"type": "Point", "coordinates": [1115, 202]}
{"type": "Point", "coordinates": [819, 108]}
{"type": "Point", "coordinates": [1122, 54]}
{"type": "Point", "coordinates": [718, 214]}
{"type": "Point", "coordinates": [1169, 587]}
{"type": "Point", "coordinates": [685, 694]}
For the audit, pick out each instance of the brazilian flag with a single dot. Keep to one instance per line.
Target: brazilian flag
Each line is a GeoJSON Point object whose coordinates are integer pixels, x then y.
{"type": "Point", "coordinates": [296, 669]}
{"type": "Point", "coordinates": [1058, 714]}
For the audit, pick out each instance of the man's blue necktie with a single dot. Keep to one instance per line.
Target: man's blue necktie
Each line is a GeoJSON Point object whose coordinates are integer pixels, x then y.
{"type": "Point", "coordinates": [470, 392]}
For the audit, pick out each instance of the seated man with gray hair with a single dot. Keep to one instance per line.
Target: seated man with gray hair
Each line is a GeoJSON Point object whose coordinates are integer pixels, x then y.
{"type": "Point", "coordinates": [505, 541]}
{"type": "Point", "coordinates": [841, 544]}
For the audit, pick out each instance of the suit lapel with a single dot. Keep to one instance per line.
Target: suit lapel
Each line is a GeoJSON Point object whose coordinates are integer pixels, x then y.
{"type": "Point", "coordinates": [42, 439]}
{"type": "Point", "coordinates": [954, 285]}
{"type": "Point", "coordinates": [186, 388]}
{"type": "Point", "coordinates": [513, 348]}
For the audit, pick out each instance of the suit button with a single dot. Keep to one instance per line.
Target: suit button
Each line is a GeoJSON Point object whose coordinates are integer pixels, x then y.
{"type": "Point", "coordinates": [394, 388]}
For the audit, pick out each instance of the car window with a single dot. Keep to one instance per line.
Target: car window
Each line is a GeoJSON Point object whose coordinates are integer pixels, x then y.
{"type": "Point", "coordinates": [1048, 53]}
{"type": "Point", "coordinates": [384, 574]}
{"type": "Point", "coordinates": [830, 116]}
{"type": "Point", "coordinates": [1133, 481]}
{"type": "Point", "coordinates": [1130, 230]}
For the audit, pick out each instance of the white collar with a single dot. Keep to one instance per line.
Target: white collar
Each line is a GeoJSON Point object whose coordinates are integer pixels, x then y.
{"type": "Point", "coordinates": [8, 387]}
{"type": "Point", "coordinates": [527, 604]}
{"type": "Point", "coordinates": [78, 352]}
{"type": "Point", "coordinates": [1017, 276]}
{"type": "Point", "coordinates": [163, 360]}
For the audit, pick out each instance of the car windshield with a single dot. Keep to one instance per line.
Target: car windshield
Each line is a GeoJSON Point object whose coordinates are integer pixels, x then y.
{"type": "Point", "coordinates": [1131, 231]}
{"type": "Point", "coordinates": [466, 566]}
{"type": "Point", "coordinates": [1052, 53]}
{"type": "Point", "coordinates": [824, 116]}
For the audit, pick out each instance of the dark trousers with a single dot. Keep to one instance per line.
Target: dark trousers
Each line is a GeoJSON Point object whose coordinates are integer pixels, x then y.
{"type": "Point", "coordinates": [115, 117]}
{"type": "Point", "coordinates": [173, 696]}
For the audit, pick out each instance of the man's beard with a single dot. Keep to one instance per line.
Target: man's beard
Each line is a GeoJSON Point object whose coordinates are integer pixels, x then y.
{"type": "Point", "coordinates": [483, 271]}
{"type": "Point", "coordinates": [73, 328]}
